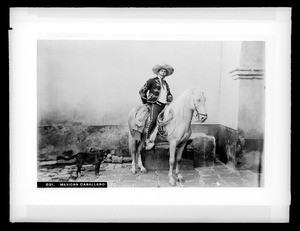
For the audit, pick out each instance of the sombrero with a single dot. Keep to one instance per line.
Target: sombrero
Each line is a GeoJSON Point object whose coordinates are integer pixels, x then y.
{"type": "Point", "coordinates": [167, 67]}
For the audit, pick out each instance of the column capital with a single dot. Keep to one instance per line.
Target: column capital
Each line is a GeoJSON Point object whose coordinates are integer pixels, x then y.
{"type": "Point", "coordinates": [241, 73]}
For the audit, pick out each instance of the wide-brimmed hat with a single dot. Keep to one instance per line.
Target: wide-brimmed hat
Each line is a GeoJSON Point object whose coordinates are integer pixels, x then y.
{"type": "Point", "coordinates": [167, 67]}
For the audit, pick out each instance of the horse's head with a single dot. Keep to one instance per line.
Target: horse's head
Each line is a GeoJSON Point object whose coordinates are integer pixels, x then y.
{"type": "Point", "coordinates": [198, 105]}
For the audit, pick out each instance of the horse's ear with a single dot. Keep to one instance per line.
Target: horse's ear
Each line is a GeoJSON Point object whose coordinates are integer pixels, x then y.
{"type": "Point", "coordinates": [203, 95]}
{"type": "Point", "coordinates": [198, 92]}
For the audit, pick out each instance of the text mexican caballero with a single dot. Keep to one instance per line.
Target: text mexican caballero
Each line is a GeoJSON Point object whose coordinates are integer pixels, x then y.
{"type": "Point", "coordinates": [72, 184]}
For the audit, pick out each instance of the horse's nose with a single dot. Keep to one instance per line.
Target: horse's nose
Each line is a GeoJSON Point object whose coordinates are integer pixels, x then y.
{"type": "Point", "coordinates": [203, 118]}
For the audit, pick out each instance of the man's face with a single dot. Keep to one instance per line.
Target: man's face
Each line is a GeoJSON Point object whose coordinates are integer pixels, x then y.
{"type": "Point", "coordinates": [162, 73]}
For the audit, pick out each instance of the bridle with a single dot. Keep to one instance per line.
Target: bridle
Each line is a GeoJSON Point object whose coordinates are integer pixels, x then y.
{"type": "Point", "coordinates": [197, 111]}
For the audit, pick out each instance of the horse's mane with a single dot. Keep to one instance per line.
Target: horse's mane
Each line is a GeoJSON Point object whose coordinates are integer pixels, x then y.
{"type": "Point", "coordinates": [179, 105]}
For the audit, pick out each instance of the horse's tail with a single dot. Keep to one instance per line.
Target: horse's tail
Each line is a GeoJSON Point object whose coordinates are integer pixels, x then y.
{"type": "Point", "coordinates": [133, 133]}
{"type": "Point", "coordinates": [130, 121]}
{"type": "Point", "coordinates": [133, 142]}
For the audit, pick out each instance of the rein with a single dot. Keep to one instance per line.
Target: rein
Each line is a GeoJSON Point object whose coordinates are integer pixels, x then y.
{"type": "Point", "coordinates": [197, 112]}
{"type": "Point", "coordinates": [162, 123]}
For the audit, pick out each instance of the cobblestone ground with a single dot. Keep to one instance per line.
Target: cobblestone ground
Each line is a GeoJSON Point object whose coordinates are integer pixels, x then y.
{"type": "Point", "coordinates": [119, 175]}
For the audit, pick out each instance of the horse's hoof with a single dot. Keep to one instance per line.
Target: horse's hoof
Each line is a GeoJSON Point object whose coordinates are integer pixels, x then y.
{"type": "Point", "coordinates": [133, 171]}
{"type": "Point", "coordinates": [143, 170]}
{"type": "Point", "coordinates": [172, 182]}
{"type": "Point", "coordinates": [180, 178]}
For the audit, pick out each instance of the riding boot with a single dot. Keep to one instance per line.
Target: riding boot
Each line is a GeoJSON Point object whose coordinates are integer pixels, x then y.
{"type": "Point", "coordinates": [156, 108]}
{"type": "Point", "coordinates": [151, 139]}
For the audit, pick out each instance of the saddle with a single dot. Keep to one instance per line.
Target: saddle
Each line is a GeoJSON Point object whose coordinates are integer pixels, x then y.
{"type": "Point", "coordinates": [142, 119]}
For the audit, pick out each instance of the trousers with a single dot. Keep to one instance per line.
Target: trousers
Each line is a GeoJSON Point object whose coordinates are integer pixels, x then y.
{"type": "Point", "coordinates": [155, 109]}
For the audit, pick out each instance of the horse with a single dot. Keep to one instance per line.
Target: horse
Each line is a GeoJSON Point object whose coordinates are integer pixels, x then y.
{"type": "Point", "coordinates": [176, 121]}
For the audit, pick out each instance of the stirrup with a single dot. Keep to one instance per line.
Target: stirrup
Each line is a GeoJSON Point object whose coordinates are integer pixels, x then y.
{"type": "Point", "coordinates": [149, 144]}
{"type": "Point", "coordinates": [161, 131]}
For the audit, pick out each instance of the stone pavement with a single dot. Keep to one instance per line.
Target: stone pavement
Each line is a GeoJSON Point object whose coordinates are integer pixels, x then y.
{"type": "Point", "coordinates": [119, 175]}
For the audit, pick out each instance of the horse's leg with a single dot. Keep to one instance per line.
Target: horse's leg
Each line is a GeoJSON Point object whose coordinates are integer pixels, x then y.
{"type": "Point", "coordinates": [180, 149]}
{"type": "Point", "coordinates": [172, 148]}
{"type": "Point", "coordinates": [97, 165]}
{"type": "Point", "coordinates": [139, 155]}
{"type": "Point", "coordinates": [79, 165]}
{"type": "Point", "coordinates": [132, 150]}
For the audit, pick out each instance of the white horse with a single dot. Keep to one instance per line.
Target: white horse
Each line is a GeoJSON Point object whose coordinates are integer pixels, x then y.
{"type": "Point", "coordinates": [176, 123]}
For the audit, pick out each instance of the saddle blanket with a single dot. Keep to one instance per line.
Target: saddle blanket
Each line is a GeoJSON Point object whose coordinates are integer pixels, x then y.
{"type": "Point", "coordinates": [142, 113]}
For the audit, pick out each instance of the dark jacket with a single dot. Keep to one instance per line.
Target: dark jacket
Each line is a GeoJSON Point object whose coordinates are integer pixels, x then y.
{"type": "Point", "coordinates": [152, 87]}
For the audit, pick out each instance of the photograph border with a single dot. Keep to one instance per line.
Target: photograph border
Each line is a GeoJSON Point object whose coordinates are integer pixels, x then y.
{"type": "Point", "coordinates": [270, 203]}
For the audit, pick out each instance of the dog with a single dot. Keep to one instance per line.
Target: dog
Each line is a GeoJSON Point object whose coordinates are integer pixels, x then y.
{"type": "Point", "coordinates": [93, 156]}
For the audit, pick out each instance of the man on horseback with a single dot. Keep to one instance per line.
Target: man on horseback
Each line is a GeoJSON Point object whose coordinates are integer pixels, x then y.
{"type": "Point", "coordinates": [156, 93]}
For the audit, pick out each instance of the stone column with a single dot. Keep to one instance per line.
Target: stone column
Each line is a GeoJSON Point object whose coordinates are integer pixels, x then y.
{"type": "Point", "coordinates": [251, 82]}
{"type": "Point", "coordinates": [251, 106]}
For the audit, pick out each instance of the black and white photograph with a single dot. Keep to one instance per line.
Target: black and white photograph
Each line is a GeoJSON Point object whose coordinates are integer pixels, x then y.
{"type": "Point", "coordinates": [150, 108]}
{"type": "Point", "coordinates": [151, 113]}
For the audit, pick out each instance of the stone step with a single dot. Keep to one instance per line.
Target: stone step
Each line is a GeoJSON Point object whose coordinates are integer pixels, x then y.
{"type": "Point", "coordinates": [199, 152]}
{"type": "Point", "coordinates": [158, 159]}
